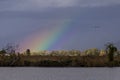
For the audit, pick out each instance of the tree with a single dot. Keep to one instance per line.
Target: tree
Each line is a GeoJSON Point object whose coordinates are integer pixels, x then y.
{"type": "Point", "coordinates": [92, 52]}
{"type": "Point", "coordinates": [11, 48]}
{"type": "Point", "coordinates": [2, 52]}
{"type": "Point", "coordinates": [28, 52]}
{"type": "Point", "coordinates": [102, 53]}
{"type": "Point", "coordinates": [110, 50]}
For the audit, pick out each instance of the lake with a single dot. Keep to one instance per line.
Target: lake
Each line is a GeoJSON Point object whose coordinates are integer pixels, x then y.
{"type": "Point", "coordinates": [59, 73]}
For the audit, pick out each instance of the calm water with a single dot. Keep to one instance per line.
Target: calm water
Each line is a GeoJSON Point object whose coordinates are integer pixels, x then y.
{"type": "Point", "coordinates": [59, 73]}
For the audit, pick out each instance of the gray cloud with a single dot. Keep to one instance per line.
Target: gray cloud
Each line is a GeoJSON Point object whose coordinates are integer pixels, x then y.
{"type": "Point", "coordinates": [42, 5]}
{"type": "Point", "coordinates": [94, 3]}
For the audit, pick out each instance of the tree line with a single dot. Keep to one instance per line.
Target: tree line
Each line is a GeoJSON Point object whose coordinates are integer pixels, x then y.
{"type": "Point", "coordinates": [89, 58]}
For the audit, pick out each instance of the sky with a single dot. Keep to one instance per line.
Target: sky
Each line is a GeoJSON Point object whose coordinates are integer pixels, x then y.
{"type": "Point", "coordinates": [59, 24]}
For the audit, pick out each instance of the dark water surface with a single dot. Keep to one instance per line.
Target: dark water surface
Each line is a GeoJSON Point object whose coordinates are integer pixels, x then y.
{"type": "Point", "coordinates": [59, 73]}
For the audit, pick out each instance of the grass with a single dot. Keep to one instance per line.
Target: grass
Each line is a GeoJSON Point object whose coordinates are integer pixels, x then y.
{"type": "Point", "coordinates": [58, 61]}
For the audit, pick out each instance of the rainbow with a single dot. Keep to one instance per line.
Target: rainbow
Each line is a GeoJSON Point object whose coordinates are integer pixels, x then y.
{"type": "Point", "coordinates": [48, 39]}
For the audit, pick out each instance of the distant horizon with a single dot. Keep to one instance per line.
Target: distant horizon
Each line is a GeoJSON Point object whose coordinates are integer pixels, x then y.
{"type": "Point", "coordinates": [18, 49]}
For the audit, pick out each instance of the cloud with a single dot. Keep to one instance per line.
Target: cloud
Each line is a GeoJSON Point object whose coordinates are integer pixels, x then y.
{"type": "Point", "coordinates": [45, 4]}
{"type": "Point", "coordinates": [56, 3]}
{"type": "Point", "coordinates": [35, 4]}
{"type": "Point", "coordinates": [97, 3]}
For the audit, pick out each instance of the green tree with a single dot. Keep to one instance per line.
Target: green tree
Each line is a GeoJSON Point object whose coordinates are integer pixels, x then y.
{"type": "Point", "coordinates": [28, 52]}
{"type": "Point", "coordinates": [2, 52]}
{"type": "Point", "coordinates": [110, 50]}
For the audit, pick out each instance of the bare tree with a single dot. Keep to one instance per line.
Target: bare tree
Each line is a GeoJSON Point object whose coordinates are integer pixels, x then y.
{"type": "Point", "coordinates": [11, 48]}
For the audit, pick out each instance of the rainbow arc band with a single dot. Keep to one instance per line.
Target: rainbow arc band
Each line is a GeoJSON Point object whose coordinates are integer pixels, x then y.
{"type": "Point", "coordinates": [48, 39]}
